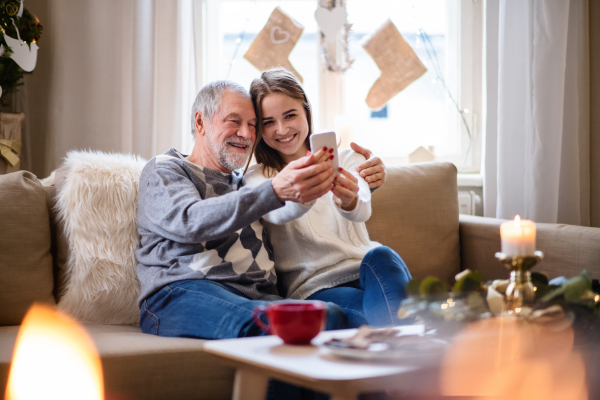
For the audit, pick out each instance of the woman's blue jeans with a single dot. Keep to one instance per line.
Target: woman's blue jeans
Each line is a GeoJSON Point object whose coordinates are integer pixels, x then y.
{"type": "Point", "coordinates": [209, 310]}
{"type": "Point", "coordinates": [374, 298]}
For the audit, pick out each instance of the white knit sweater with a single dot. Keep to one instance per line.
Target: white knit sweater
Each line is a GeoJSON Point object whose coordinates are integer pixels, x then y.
{"type": "Point", "coordinates": [318, 245]}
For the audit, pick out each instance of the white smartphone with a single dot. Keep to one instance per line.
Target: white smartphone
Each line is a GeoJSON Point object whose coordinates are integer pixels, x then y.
{"type": "Point", "coordinates": [325, 139]}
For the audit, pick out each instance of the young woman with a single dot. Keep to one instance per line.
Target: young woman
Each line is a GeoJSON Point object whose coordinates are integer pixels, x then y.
{"type": "Point", "coordinates": [322, 248]}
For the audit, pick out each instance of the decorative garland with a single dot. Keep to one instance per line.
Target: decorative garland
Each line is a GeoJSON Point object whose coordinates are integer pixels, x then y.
{"type": "Point", "coordinates": [347, 60]}
{"type": "Point", "coordinates": [472, 299]}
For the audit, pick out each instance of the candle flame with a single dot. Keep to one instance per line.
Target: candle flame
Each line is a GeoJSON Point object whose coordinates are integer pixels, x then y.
{"type": "Point", "coordinates": [517, 221]}
{"type": "Point", "coordinates": [54, 358]}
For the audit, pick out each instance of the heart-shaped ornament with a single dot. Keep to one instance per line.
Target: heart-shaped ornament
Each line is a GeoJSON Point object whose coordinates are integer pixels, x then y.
{"type": "Point", "coordinates": [12, 9]}
{"type": "Point", "coordinates": [278, 35]}
{"type": "Point", "coordinates": [331, 21]}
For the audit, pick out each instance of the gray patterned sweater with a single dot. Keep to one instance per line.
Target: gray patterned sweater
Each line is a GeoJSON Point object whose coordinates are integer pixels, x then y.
{"type": "Point", "coordinates": [194, 223]}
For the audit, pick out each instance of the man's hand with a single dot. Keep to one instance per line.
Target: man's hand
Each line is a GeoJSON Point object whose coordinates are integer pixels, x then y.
{"type": "Point", "coordinates": [373, 170]}
{"type": "Point", "coordinates": [346, 190]}
{"type": "Point", "coordinates": [302, 180]}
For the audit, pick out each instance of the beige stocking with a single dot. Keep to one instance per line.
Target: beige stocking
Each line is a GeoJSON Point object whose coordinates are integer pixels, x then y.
{"type": "Point", "coordinates": [275, 42]}
{"type": "Point", "coordinates": [398, 62]}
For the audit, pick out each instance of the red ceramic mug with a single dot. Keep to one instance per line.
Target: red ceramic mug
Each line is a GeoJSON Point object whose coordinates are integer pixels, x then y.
{"type": "Point", "coordinates": [296, 322]}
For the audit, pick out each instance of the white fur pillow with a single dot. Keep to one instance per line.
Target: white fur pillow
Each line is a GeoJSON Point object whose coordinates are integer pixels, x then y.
{"type": "Point", "coordinates": [98, 206]}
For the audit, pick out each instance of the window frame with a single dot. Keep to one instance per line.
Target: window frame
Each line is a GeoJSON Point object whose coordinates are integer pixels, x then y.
{"type": "Point", "coordinates": [469, 94]}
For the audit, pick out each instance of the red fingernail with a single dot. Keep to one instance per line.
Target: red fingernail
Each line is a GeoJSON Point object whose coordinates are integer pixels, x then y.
{"type": "Point", "coordinates": [331, 157]}
{"type": "Point", "coordinates": [324, 148]}
{"type": "Point", "coordinates": [307, 152]}
{"type": "Point", "coordinates": [331, 150]}
{"type": "Point", "coordinates": [335, 179]}
{"type": "Point", "coordinates": [340, 169]}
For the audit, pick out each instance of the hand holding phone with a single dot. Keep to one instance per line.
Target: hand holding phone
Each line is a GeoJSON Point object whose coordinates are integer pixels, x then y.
{"type": "Point", "coordinates": [326, 139]}
{"type": "Point", "coordinates": [307, 178]}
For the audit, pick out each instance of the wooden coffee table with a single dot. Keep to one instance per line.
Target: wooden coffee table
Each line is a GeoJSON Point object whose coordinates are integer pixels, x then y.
{"type": "Point", "coordinates": [257, 359]}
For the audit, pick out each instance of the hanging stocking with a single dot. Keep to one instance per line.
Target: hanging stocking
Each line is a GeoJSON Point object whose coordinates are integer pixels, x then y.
{"type": "Point", "coordinates": [398, 62]}
{"type": "Point", "coordinates": [275, 42]}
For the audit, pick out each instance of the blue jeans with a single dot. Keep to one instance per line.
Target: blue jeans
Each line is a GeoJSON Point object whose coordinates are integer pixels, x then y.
{"type": "Point", "coordinates": [375, 297]}
{"type": "Point", "coordinates": [209, 310]}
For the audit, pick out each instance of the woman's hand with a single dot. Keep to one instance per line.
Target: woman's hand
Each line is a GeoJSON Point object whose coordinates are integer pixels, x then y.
{"type": "Point", "coordinates": [321, 155]}
{"type": "Point", "coordinates": [304, 180]}
{"type": "Point", "coordinates": [373, 170]}
{"type": "Point", "coordinates": [346, 190]}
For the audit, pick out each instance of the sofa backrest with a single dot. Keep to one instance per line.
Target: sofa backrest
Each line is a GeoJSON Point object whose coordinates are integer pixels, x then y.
{"type": "Point", "coordinates": [568, 249]}
{"type": "Point", "coordinates": [416, 214]}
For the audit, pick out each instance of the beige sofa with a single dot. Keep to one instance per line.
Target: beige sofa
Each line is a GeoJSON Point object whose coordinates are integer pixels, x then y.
{"type": "Point", "coordinates": [415, 213]}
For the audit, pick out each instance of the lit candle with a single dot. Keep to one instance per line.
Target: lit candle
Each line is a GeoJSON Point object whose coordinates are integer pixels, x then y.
{"type": "Point", "coordinates": [54, 358]}
{"type": "Point", "coordinates": [518, 237]}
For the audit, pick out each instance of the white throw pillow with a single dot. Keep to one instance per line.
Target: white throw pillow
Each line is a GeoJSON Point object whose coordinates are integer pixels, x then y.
{"type": "Point", "coordinates": [98, 206]}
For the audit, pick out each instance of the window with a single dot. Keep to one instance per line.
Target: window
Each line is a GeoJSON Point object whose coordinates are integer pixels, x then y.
{"type": "Point", "coordinates": [444, 33]}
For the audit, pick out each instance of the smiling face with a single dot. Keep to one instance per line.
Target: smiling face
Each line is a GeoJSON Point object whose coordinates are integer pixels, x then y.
{"type": "Point", "coordinates": [285, 126]}
{"type": "Point", "coordinates": [232, 131]}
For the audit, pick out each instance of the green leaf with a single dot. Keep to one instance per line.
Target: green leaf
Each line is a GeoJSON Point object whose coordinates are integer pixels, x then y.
{"type": "Point", "coordinates": [468, 283]}
{"type": "Point", "coordinates": [575, 287]}
{"type": "Point", "coordinates": [543, 290]}
{"type": "Point", "coordinates": [412, 288]}
{"type": "Point", "coordinates": [431, 287]}
{"type": "Point", "coordinates": [572, 289]}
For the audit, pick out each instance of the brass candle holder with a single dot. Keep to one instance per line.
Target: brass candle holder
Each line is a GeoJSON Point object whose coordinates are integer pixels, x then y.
{"type": "Point", "coordinates": [520, 292]}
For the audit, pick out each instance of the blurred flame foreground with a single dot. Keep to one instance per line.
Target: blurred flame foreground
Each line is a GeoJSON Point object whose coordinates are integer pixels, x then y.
{"type": "Point", "coordinates": [54, 359]}
{"type": "Point", "coordinates": [508, 359]}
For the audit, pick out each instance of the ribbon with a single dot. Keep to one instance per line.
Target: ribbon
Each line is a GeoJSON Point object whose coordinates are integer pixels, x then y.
{"type": "Point", "coordinates": [8, 148]}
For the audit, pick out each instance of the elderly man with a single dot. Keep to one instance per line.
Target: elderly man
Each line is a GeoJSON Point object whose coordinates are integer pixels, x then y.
{"type": "Point", "coordinates": [204, 262]}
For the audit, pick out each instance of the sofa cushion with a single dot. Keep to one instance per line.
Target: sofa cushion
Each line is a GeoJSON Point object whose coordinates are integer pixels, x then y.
{"type": "Point", "coordinates": [416, 214]}
{"type": "Point", "coordinates": [25, 259]}
{"type": "Point", "coordinates": [98, 206]}
{"type": "Point", "coordinates": [140, 366]}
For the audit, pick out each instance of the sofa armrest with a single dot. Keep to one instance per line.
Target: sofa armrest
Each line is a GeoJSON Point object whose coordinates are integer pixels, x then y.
{"type": "Point", "coordinates": [568, 249]}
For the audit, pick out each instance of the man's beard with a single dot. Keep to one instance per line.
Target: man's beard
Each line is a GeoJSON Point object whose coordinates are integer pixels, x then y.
{"type": "Point", "coordinates": [227, 159]}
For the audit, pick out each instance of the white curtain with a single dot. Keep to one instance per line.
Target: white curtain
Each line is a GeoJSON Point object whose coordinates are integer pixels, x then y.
{"type": "Point", "coordinates": [111, 76]}
{"type": "Point", "coordinates": [537, 139]}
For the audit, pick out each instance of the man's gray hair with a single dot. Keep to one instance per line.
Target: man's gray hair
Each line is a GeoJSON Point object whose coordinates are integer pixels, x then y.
{"type": "Point", "coordinates": [209, 99]}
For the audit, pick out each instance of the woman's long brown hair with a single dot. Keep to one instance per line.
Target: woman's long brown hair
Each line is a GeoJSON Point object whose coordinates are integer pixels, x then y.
{"type": "Point", "coordinates": [275, 80]}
